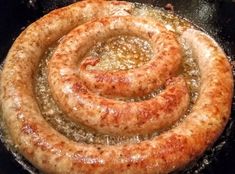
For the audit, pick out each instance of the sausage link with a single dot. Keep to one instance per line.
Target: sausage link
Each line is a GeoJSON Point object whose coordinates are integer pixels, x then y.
{"type": "Point", "coordinates": [51, 152]}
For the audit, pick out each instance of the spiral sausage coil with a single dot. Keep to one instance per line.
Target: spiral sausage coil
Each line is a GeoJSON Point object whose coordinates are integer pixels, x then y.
{"type": "Point", "coordinates": [85, 95]}
{"type": "Point", "coordinates": [107, 115]}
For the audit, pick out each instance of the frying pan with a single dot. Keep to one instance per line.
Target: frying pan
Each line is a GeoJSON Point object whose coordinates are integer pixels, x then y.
{"type": "Point", "coordinates": [215, 17]}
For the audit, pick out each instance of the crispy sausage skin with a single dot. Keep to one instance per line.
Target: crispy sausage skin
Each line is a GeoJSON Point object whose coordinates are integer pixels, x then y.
{"type": "Point", "coordinates": [134, 82]}
{"type": "Point", "coordinates": [51, 152]}
{"type": "Point", "coordinates": [109, 115]}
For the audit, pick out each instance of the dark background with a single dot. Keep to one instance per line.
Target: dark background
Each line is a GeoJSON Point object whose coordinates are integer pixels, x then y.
{"type": "Point", "coordinates": [216, 17]}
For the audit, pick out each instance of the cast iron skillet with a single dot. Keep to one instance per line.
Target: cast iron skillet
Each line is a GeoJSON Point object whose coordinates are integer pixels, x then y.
{"type": "Point", "coordinates": [215, 17]}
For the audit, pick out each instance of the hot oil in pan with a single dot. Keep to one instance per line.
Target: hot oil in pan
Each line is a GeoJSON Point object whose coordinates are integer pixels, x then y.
{"type": "Point", "coordinates": [115, 54]}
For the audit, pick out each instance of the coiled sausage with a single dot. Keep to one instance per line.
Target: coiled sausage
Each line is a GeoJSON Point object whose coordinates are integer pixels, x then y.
{"type": "Point", "coordinates": [51, 152]}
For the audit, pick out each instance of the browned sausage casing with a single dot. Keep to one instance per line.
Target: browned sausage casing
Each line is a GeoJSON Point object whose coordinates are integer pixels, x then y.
{"type": "Point", "coordinates": [51, 152]}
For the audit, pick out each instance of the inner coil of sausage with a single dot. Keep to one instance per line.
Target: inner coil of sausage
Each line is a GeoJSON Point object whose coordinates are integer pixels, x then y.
{"type": "Point", "coordinates": [82, 105]}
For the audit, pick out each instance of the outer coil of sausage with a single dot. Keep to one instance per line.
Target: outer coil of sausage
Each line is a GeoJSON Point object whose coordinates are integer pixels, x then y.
{"type": "Point", "coordinates": [108, 115]}
{"type": "Point", "coordinates": [134, 82]}
{"type": "Point", "coordinates": [51, 152]}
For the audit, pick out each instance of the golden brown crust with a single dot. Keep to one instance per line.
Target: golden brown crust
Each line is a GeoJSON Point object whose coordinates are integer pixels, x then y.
{"type": "Point", "coordinates": [51, 152]}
